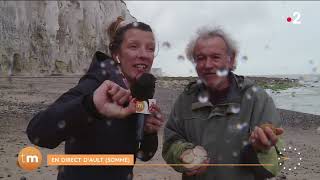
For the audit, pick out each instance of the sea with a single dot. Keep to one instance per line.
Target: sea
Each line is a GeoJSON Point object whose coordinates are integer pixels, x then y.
{"type": "Point", "coordinates": [304, 99]}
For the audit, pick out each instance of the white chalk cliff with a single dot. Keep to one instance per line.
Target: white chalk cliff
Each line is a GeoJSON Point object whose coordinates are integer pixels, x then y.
{"type": "Point", "coordinates": [54, 37]}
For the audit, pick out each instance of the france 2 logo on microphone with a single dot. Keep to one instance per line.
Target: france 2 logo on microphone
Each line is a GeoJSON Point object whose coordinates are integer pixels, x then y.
{"type": "Point", "coordinates": [143, 106]}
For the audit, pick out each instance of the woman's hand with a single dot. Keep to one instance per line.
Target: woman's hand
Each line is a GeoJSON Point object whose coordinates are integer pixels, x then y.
{"type": "Point", "coordinates": [109, 99]}
{"type": "Point", "coordinates": [154, 121]}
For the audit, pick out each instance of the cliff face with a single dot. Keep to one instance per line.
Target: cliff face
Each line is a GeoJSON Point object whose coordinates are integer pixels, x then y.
{"type": "Point", "coordinates": [54, 37]}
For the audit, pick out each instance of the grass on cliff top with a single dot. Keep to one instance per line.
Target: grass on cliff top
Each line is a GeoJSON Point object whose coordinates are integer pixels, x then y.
{"type": "Point", "coordinates": [278, 86]}
{"type": "Point", "coordinates": [275, 84]}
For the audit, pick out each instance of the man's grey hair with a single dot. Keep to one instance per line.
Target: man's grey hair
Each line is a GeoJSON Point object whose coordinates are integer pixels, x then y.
{"type": "Point", "coordinates": [208, 32]}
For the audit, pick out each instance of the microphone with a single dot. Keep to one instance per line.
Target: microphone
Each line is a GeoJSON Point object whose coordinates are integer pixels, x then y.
{"type": "Point", "coordinates": [142, 89]}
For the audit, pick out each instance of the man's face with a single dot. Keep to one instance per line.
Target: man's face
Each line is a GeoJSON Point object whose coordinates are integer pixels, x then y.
{"type": "Point", "coordinates": [210, 56]}
{"type": "Point", "coordinates": [136, 53]}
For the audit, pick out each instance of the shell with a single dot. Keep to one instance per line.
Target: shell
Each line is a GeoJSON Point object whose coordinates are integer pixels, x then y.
{"type": "Point", "coordinates": [263, 126]}
{"type": "Point", "coordinates": [194, 156]}
{"type": "Point", "coordinates": [187, 156]}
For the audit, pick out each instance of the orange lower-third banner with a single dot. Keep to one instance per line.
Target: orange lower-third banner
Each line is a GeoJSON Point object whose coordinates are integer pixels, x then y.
{"type": "Point", "coordinates": [90, 159]}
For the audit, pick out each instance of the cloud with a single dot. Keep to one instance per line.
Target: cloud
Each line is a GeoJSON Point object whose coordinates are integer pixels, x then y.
{"type": "Point", "coordinates": [272, 45]}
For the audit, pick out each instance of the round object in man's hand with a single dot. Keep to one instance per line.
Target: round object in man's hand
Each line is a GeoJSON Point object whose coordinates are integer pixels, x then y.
{"type": "Point", "coordinates": [194, 157]}
{"type": "Point", "coordinates": [269, 125]}
{"type": "Point", "coordinates": [200, 154]}
{"type": "Point", "coordinates": [187, 156]}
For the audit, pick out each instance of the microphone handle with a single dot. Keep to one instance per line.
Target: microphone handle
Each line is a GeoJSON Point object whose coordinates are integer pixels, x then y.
{"type": "Point", "coordinates": [140, 128]}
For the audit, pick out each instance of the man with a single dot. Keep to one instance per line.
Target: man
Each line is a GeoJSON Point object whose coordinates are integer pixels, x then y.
{"type": "Point", "coordinates": [222, 118]}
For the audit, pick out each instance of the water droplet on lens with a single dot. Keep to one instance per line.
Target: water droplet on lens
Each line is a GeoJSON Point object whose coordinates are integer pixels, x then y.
{"type": "Point", "coordinates": [222, 72]}
{"type": "Point", "coordinates": [314, 69]}
{"type": "Point", "coordinates": [118, 72]}
{"type": "Point", "coordinates": [90, 119]}
{"type": "Point", "coordinates": [129, 177]}
{"type": "Point", "coordinates": [140, 154]}
{"type": "Point", "coordinates": [266, 47]}
{"type": "Point", "coordinates": [61, 169]}
{"type": "Point", "coordinates": [109, 123]}
{"type": "Point", "coordinates": [318, 130]}
{"type": "Point", "coordinates": [311, 61]}
{"type": "Point", "coordinates": [150, 154]}
{"type": "Point", "coordinates": [72, 139]}
{"type": "Point", "coordinates": [203, 97]}
{"type": "Point", "coordinates": [10, 72]}
{"type": "Point", "coordinates": [254, 89]}
{"type": "Point", "coordinates": [301, 80]}
{"type": "Point", "coordinates": [30, 85]}
{"type": "Point", "coordinates": [244, 59]}
{"type": "Point", "coordinates": [234, 154]}
{"type": "Point", "coordinates": [244, 143]}
{"type": "Point", "coordinates": [235, 109]}
{"type": "Point", "coordinates": [62, 124]}
{"type": "Point", "coordinates": [241, 85]}
{"type": "Point", "coordinates": [36, 140]}
{"type": "Point", "coordinates": [166, 45]}
{"type": "Point", "coordinates": [248, 96]}
{"type": "Point", "coordinates": [245, 124]}
{"type": "Point", "coordinates": [9, 79]}
{"type": "Point", "coordinates": [135, 24]}
{"type": "Point", "coordinates": [158, 115]}
{"type": "Point", "coordinates": [181, 58]}
{"type": "Point", "coordinates": [102, 64]}
{"type": "Point", "coordinates": [241, 126]}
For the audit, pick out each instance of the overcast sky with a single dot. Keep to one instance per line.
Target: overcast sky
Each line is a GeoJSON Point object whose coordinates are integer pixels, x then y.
{"type": "Point", "coordinates": [263, 35]}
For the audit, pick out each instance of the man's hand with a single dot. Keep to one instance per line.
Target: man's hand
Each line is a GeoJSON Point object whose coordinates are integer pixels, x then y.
{"type": "Point", "coordinates": [198, 170]}
{"type": "Point", "coordinates": [154, 121]}
{"type": "Point", "coordinates": [109, 99]}
{"type": "Point", "coordinates": [264, 139]}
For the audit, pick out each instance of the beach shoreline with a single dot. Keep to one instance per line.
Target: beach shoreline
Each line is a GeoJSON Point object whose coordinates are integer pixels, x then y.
{"type": "Point", "coordinates": [22, 98]}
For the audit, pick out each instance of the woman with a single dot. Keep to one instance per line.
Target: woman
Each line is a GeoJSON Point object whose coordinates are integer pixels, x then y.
{"type": "Point", "coordinates": [97, 116]}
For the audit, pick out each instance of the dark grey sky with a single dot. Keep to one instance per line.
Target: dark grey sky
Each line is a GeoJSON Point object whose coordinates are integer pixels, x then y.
{"type": "Point", "coordinates": [271, 44]}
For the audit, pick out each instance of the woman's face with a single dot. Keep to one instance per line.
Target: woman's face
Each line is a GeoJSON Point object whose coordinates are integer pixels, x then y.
{"type": "Point", "coordinates": [136, 53]}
